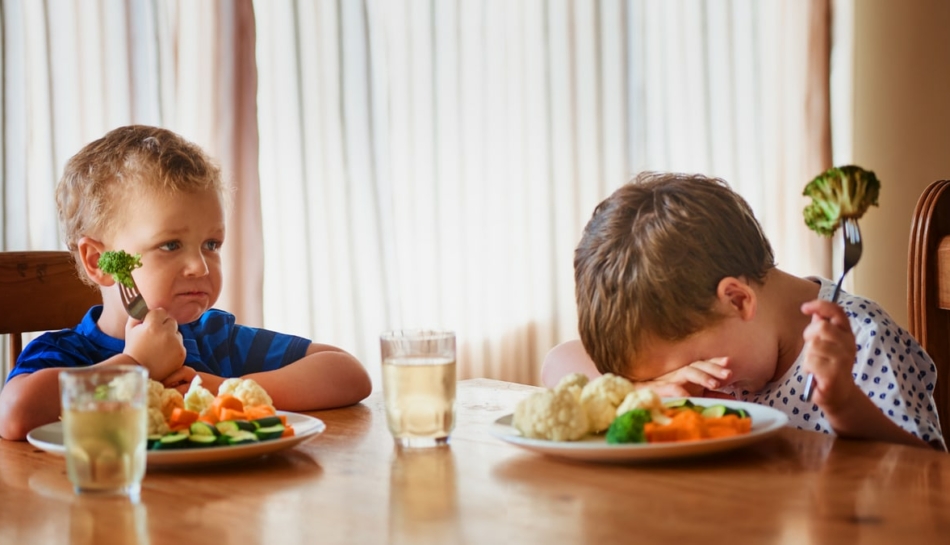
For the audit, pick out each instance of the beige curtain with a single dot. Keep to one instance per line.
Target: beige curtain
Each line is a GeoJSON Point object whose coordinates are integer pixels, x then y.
{"type": "Point", "coordinates": [72, 70]}
{"type": "Point", "coordinates": [425, 163]}
{"type": "Point", "coordinates": [433, 163]}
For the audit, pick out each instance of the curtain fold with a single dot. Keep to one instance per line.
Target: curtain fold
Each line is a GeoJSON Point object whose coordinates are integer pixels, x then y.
{"type": "Point", "coordinates": [433, 163]}
{"type": "Point", "coordinates": [73, 70]}
{"type": "Point", "coordinates": [424, 163]}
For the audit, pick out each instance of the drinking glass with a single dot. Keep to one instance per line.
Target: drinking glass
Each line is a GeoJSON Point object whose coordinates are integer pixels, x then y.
{"type": "Point", "coordinates": [419, 386]}
{"type": "Point", "coordinates": [104, 428]}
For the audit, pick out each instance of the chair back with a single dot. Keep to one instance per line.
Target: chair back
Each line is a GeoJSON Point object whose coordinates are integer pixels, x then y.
{"type": "Point", "coordinates": [928, 286]}
{"type": "Point", "coordinates": [40, 291]}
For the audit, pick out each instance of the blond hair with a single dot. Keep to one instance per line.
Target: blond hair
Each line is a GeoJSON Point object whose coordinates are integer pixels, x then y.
{"type": "Point", "coordinates": [650, 260]}
{"type": "Point", "coordinates": [102, 178]}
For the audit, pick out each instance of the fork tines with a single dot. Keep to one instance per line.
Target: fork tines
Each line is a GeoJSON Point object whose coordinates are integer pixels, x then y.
{"type": "Point", "coordinates": [133, 301]}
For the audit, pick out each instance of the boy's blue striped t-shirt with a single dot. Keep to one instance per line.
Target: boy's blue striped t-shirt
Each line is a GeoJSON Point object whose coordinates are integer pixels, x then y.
{"type": "Point", "coordinates": [214, 344]}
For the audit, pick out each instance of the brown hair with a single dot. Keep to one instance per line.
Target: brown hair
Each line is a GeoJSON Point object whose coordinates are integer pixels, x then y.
{"type": "Point", "coordinates": [101, 178]}
{"type": "Point", "coordinates": [651, 258]}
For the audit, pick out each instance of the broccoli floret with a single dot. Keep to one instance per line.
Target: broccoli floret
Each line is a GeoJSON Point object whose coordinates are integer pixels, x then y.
{"type": "Point", "coordinates": [838, 193]}
{"type": "Point", "coordinates": [628, 427]}
{"type": "Point", "coordinates": [120, 265]}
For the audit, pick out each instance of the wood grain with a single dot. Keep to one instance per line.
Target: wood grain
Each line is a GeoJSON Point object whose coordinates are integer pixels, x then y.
{"type": "Point", "coordinates": [349, 485]}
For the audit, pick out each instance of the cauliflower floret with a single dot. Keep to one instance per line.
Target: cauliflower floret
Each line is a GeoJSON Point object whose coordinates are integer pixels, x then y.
{"type": "Point", "coordinates": [249, 392]}
{"type": "Point", "coordinates": [155, 390]}
{"type": "Point", "coordinates": [573, 383]}
{"type": "Point", "coordinates": [170, 400]}
{"type": "Point", "coordinates": [600, 398]}
{"type": "Point", "coordinates": [551, 414]}
{"type": "Point", "coordinates": [198, 398]}
{"type": "Point", "coordinates": [156, 422]}
{"type": "Point", "coordinates": [645, 398]}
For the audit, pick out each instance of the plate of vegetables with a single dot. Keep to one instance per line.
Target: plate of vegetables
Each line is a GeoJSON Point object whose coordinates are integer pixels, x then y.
{"type": "Point", "coordinates": [609, 420]}
{"type": "Point", "coordinates": [180, 450]}
{"type": "Point", "coordinates": [238, 423]}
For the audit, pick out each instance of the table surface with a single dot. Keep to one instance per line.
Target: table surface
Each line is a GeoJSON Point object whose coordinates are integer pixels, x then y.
{"type": "Point", "coordinates": [350, 485]}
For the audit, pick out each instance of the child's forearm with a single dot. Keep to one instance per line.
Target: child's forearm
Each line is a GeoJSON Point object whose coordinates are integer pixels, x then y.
{"type": "Point", "coordinates": [31, 400]}
{"type": "Point", "coordinates": [28, 401]}
{"type": "Point", "coordinates": [860, 418]}
{"type": "Point", "coordinates": [319, 380]}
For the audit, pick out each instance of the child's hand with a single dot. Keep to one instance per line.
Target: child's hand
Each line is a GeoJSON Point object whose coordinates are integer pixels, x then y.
{"type": "Point", "coordinates": [180, 379]}
{"type": "Point", "coordinates": [692, 380]}
{"type": "Point", "coordinates": [829, 354]}
{"type": "Point", "coordinates": [155, 343]}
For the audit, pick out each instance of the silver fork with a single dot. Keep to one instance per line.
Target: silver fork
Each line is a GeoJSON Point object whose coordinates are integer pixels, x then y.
{"type": "Point", "coordinates": [133, 301]}
{"type": "Point", "coordinates": [852, 253]}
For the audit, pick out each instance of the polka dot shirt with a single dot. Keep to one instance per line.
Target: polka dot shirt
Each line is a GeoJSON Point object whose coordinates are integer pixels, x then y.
{"type": "Point", "coordinates": [890, 368]}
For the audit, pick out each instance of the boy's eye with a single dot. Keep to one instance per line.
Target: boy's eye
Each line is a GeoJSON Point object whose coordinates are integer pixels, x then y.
{"type": "Point", "coordinates": [213, 245]}
{"type": "Point", "coordinates": [171, 246]}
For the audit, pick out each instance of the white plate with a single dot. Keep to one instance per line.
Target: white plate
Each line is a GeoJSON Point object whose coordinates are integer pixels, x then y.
{"type": "Point", "coordinates": [765, 422]}
{"type": "Point", "coordinates": [50, 439]}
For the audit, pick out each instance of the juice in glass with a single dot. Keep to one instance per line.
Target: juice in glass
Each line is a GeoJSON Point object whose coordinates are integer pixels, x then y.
{"type": "Point", "coordinates": [104, 428]}
{"type": "Point", "coordinates": [419, 387]}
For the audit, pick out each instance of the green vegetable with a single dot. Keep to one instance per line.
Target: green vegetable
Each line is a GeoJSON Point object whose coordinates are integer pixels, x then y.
{"type": "Point", "coordinates": [172, 440]}
{"type": "Point", "coordinates": [120, 265]}
{"type": "Point", "coordinates": [677, 403]}
{"type": "Point", "coordinates": [628, 427]}
{"type": "Point", "coordinates": [269, 432]}
{"type": "Point", "coordinates": [838, 193]}
{"type": "Point", "coordinates": [239, 437]}
{"type": "Point", "coordinates": [203, 428]}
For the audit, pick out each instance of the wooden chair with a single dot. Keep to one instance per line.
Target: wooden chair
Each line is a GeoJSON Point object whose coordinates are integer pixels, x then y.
{"type": "Point", "coordinates": [40, 291]}
{"type": "Point", "coordinates": [928, 287]}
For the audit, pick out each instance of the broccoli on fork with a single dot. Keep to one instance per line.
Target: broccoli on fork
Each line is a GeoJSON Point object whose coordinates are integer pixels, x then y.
{"type": "Point", "coordinates": [120, 265]}
{"type": "Point", "coordinates": [838, 193]}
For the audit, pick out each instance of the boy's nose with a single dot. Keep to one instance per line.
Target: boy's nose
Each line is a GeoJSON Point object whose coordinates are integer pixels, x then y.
{"type": "Point", "coordinates": [196, 266]}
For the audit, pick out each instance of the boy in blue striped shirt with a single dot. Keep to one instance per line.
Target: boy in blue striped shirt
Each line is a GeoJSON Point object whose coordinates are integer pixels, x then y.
{"type": "Point", "coordinates": [148, 191]}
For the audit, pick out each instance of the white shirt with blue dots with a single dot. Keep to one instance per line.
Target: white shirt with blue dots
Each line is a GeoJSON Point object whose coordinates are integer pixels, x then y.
{"type": "Point", "coordinates": [890, 367]}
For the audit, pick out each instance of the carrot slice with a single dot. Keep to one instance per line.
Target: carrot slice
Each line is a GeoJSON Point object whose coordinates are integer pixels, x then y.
{"type": "Point", "coordinates": [288, 432]}
{"type": "Point", "coordinates": [255, 412]}
{"type": "Point", "coordinates": [231, 414]}
{"type": "Point", "coordinates": [181, 418]}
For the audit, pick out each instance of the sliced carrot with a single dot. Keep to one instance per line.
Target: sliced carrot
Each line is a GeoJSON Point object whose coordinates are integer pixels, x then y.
{"type": "Point", "coordinates": [288, 432]}
{"type": "Point", "coordinates": [181, 418]}
{"type": "Point", "coordinates": [208, 416]}
{"type": "Point", "coordinates": [231, 414]}
{"type": "Point", "coordinates": [254, 412]}
{"type": "Point", "coordinates": [226, 402]}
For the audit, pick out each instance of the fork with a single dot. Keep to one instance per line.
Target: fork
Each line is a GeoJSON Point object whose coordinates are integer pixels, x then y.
{"type": "Point", "coordinates": [852, 253]}
{"type": "Point", "coordinates": [133, 300]}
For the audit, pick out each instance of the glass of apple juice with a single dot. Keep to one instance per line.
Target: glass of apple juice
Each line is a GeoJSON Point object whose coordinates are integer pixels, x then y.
{"type": "Point", "coordinates": [104, 428]}
{"type": "Point", "coordinates": [419, 386]}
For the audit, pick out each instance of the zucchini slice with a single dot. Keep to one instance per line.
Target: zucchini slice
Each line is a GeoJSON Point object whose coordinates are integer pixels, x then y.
{"type": "Point", "coordinates": [239, 437]}
{"type": "Point", "coordinates": [203, 428]}
{"type": "Point", "coordinates": [715, 411]}
{"type": "Point", "coordinates": [172, 440]}
{"type": "Point", "coordinates": [201, 440]}
{"type": "Point", "coordinates": [270, 432]}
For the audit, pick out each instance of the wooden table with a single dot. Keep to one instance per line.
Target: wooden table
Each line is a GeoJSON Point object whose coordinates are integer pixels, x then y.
{"type": "Point", "coordinates": [349, 485]}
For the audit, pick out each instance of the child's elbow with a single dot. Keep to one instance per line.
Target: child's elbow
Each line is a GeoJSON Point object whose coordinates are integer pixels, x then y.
{"type": "Point", "coordinates": [360, 384]}
{"type": "Point", "coordinates": [11, 428]}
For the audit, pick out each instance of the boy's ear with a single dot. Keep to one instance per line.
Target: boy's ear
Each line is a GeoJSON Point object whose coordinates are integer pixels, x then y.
{"type": "Point", "coordinates": [737, 297]}
{"type": "Point", "coordinates": [89, 251]}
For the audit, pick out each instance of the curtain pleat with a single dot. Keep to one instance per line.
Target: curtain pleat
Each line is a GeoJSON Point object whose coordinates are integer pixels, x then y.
{"type": "Point", "coordinates": [432, 164]}
{"type": "Point", "coordinates": [74, 70]}
{"type": "Point", "coordinates": [424, 163]}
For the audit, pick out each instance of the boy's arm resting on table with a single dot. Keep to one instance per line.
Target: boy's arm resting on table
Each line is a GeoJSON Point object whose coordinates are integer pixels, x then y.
{"type": "Point", "coordinates": [860, 418]}
{"type": "Point", "coordinates": [326, 377]}
{"type": "Point", "coordinates": [30, 400]}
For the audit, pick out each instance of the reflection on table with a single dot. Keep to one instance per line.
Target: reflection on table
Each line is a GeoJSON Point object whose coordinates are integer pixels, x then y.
{"type": "Point", "coordinates": [349, 485]}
